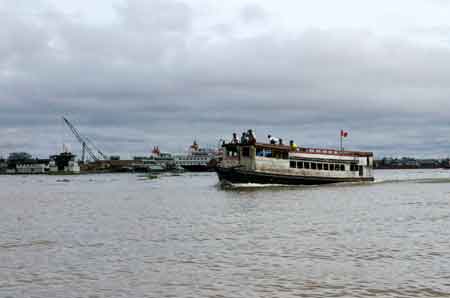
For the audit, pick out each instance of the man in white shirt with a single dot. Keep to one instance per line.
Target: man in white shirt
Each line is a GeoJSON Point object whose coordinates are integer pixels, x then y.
{"type": "Point", "coordinates": [272, 140]}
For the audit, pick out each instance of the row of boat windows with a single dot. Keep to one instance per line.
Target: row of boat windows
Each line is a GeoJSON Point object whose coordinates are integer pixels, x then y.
{"type": "Point", "coordinates": [279, 154]}
{"type": "Point", "coordinates": [321, 166]}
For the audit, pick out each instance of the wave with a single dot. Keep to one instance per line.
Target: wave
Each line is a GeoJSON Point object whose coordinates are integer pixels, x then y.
{"type": "Point", "coordinates": [12, 245]}
{"type": "Point", "coordinates": [256, 186]}
{"type": "Point", "coordinates": [442, 180]}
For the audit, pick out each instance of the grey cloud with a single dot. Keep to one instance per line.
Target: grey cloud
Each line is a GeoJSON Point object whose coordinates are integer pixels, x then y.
{"type": "Point", "coordinates": [150, 76]}
{"type": "Point", "coordinates": [157, 16]}
{"type": "Point", "coordinates": [253, 13]}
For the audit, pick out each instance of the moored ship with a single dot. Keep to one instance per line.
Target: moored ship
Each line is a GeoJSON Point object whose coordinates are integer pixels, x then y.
{"type": "Point", "coordinates": [158, 162]}
{"type": "Point", "coordinates": [197, 159]}
{"type": "Point", "coordinates": [280, 164]}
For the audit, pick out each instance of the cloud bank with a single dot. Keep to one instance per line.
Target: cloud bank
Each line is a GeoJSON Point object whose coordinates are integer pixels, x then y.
{"type": "Point", "coordinates": [164, 72]}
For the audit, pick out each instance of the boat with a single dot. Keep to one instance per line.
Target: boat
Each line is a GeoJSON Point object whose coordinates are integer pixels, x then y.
{"type": "Point", "coordinates": [197, 159]}
{"type": "Point", "coordinates": [157, 162]}
{"type": "Point", "coordinates": [262, 163]}
{"type": "Point", "coordinates": [154, 166]}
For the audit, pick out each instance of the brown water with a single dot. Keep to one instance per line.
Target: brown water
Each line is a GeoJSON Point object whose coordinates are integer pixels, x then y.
{"type": "Point", "coordinates": [182, 236]}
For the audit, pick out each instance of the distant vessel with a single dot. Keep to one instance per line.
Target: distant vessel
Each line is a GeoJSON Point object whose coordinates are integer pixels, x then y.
{"type": "Point", "coordinates": [280, 164]}
{"type": "Point", "coordinates": [198, 159]}
{"type": "Point", "coordinates": [157, 162]}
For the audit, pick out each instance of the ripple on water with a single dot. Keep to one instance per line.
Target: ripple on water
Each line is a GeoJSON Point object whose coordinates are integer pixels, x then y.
{"type": "Point", "coordinates": [181, 236]}
{"type": "Point", "coordinates": [34, 243]}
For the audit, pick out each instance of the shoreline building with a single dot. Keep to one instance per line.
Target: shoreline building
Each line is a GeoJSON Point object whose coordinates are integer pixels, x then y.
{"type": "Point", "coordinates": [64, 163]}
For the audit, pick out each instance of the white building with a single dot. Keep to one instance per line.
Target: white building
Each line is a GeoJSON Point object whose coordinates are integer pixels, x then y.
{"type": "Point", "coordinates": [72, 167]}
{"type": "Point", "coordinates": [31, 168]}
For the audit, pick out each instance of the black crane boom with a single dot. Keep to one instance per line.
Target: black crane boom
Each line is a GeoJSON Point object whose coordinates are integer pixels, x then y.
{"type": "Point", "coordinates": [96, 148]}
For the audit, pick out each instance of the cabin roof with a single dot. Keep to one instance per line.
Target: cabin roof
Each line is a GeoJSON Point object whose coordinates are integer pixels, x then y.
{"type": "Point", "coordinates": [333, 152]}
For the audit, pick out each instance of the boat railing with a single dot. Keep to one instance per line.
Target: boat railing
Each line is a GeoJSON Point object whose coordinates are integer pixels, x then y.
{"type": "Point", "coordinates": [332, 152]}
{"type": "Point", "coordinates": [306, 149]}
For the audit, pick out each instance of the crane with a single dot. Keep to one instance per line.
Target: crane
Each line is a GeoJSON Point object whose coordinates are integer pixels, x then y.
{"type": "Point", "coordinates": [86, 143]}
{"type": "Point", "coordinates": [96, 148]}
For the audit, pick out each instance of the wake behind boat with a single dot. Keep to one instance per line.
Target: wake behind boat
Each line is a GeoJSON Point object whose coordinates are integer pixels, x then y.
{"type": "Point", "coordinates": [251, 162]}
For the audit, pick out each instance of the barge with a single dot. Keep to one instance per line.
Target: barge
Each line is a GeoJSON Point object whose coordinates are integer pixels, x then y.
{"type": "Point", "coordinates": [262, 163]}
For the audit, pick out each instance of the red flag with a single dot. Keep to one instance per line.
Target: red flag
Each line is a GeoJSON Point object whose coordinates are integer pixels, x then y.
{"type": "Point", "coordinates": [344, 133]}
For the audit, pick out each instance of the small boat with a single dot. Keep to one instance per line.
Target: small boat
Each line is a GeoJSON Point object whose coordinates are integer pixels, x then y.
{"type": "Point", "coordinates": [156, 163]}
{"type": "Point", "coordinates": [153, 166]}
{"type": "Point", "coordinates": [262, 163]}
{"type": "Point", "coordinates": [152, 176]}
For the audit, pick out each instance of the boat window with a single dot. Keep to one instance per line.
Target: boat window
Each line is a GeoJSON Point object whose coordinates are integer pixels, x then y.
{"type": "Point", "coordinates": [231, 152]}
{"type": "Point", "coordinates": [281, 154]}
{"type": "Point", "coordinates": [325, 167]}
{"type": "Point", "coordinates": [313, 166]}
{"type": "Point", "coordinates": [259, 151]}
{"type": "Point", "coordinates": [306, 164]}
{"type": "Point", "coordinates": [292, 164]}
{"type": "Point", "coordinates": [331, 167]}
{"type": "Point", "coordinates": [336, 167]}
{"type": "Point", "coordinates": [274, 153]}
{"type": "Point", "coordinates": [246, 151]}
{"type": "Point", "coordinates": [300, 164]}
{"type": "Point", "coordinates": [319, 166]}
{"type": "Point", "coordinates": [342, 167]}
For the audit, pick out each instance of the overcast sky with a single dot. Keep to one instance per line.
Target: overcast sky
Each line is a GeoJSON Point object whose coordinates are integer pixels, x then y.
{"type": "Point", "coordinates": [133, 74]}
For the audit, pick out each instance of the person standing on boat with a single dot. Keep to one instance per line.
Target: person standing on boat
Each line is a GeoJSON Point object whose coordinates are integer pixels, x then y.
{"type": "Point", "coordinates": [235, 139]}
{"type": "Point", "coordinates": [272, 140]}
{"type": "Point", "coordinates": [293, 145]}
{"type": "Point", "coordinates": [244, 138]}
{"type": "Point", "coordinates": [252, 137]}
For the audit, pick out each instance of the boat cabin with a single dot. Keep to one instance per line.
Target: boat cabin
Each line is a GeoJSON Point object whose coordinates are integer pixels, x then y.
{"type": "Point", "coordinates": [282, 159]}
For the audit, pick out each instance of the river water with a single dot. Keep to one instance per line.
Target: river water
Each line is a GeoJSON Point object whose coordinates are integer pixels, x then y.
{"type": "Point", "coordinates": [183, 236]}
